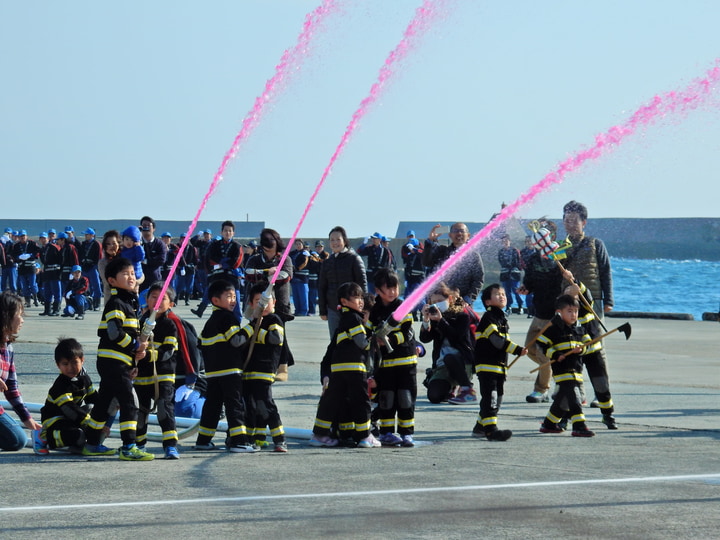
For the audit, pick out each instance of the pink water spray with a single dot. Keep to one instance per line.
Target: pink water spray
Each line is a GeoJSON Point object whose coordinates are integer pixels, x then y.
{"type": "Point", "coordinates": [679, 102]}
{"type": "Point", "coordinates": [290, 60]}
{"type": "Point", "coordinates": [421, 22]}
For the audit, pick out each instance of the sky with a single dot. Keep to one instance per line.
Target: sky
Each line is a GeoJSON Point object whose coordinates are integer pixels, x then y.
{"type": "Point", "coordinates": [117, 110]}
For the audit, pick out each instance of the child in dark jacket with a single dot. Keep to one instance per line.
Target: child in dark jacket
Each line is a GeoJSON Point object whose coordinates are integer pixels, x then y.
{"type": "Point", "coordinates": [66, 407]}
{"type": "Point", "coordinates": [564, 343]}
{"type": "Point", "coordinates": [154, 384]}
{"type": "Point", "coordinates": [223, 346]}
{"type": "Point", "coordinates": [396, 375]}
{"type": "Point", "coordinates": [345, 387]}
{"type": "Point", "coordinates": [492, 346]}
{"type": "Point", "coordinates": [261, 367]}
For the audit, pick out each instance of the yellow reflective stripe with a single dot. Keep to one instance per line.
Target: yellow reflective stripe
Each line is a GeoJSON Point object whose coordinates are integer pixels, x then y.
{"type": "Point", "coordinates": [491, 329]}
{"type": "Point", "coordinates": [145, 381]}
{"type": "Point", "coordinates": [577, 418]}
{"type": "Point", "coordinates": [223, 372]}
{"type": "Point", "coordinates": [61, 399]}
{"type": "Point", "coordinates": [237, 430]}
{"type": "Point", "coordinates": [115, 355]}
{"type": "Point", "coordinates": [348, 366]}
{"type": "Point", "coordinates": [568, 377]}
{"type": "Point", "coordinates": [276, 432]}
{"type": "Point", "coordinates": [208, 432]}
{"type": "Point", "coordinates": [259, 376]}
{"type": "Point", "coordinates": [128, 425]}
{"type": "Point", "coordinates": [322, 424]}
{"type": "Point", "coordinates": [489, 421]}
{"type": "Point", "coordinates": [169, 435]}
{"type": "Point", "coordinates": [393, 362]}
{"type": "Point", "coordinates": [362, 427]}
{"type": "Point", "coordinates": [490, 368]}
{"type": "Point", "coordinates": [406, 423]}
{"type": "Point", "coordinates": [50, 421]}
{"type": "Point", "coordinates": [125, 341]}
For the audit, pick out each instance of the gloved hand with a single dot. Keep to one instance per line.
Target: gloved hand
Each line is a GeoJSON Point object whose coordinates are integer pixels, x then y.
{"type": "Point", "coordinates": [68, 295]}
{"type": "Point", "coordinates": [24, 256]}
{"type": "Point", "coordinates": [182, 393]}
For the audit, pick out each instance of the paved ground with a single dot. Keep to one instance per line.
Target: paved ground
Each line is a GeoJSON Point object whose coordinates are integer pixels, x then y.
{"type": "Point", "coordinates": [658, 476]}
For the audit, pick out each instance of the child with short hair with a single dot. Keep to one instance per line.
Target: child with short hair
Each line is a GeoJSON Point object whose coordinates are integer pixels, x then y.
{"type": "Point", "coordinates": [222, 342]}
{"type": "Point", "coordinates": [260, 370]}
{"type": "Point", "coordinates": [346, 386]}
{"type": "Point", "coordinates": [155, 381]}
{"type": "Point", "coordinates": [492, 345]}
{"type": "Point", "coordinates": [396, 375]}
{"type": "Point", "coordinates": [66, 409]}
{"type": "Point", "coordinates": [132, 249]}
{"type": "Point", "coordinates": [118, 352]}
{"type": "Point", "coordinates": [12, 435]}
{"type": "Point", "coordinates": [593, 359]}
{"type": "Point", "coordinates": [564, 343]}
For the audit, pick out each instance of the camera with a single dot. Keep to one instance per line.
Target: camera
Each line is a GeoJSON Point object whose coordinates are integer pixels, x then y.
{"type": "Point", "coordinates": [433, 310]}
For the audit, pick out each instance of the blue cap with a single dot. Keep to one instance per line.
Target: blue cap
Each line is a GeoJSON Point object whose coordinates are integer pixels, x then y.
{"type": "Point", "coordinates": [163, 235]}
{"type": "Point", "coordinates": [52, 231]}
{"type": "Point", "coordinates": [183, 235]}
{"type": "Point", "coordinates": [132, 232]}
{"type": "Point", "coordinates": [414, 242]}
{"type": "Point", "coordinates": [8, 230]}
{"type": "Point", "coordinates": [76, 268]}
{"type": "Point", "coordinates": [89, 230]}
{"type": "Point", "coordinates": [208, 231]}
{"type": "Point", "coordinates": [43, 235]}
{"type": "Point", "coordinates": [376, 235]}
{"type": "Point", "coordinates": [61, 236]}
{"type": "Point", "coordinates": [22, 232]}
{"type": "Point", "coordinates": [410, 233]}
{"type": "Point", "coordinates": [69, 228]}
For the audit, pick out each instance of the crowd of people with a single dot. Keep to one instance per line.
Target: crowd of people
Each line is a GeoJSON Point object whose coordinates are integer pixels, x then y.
{"type": "Point", "coordinates": [369, 373]}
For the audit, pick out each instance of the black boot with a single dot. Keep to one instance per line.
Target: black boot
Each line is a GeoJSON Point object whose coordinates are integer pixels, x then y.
{"type": "Point", "coordinates": [55, 309]}
{"type": "Point", "coordinates": [46, 312]}
{"type": "Point", "coordinates": [198, 311]}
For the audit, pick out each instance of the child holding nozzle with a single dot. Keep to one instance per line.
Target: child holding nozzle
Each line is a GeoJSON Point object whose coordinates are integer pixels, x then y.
{"type": "Point", "coordinates": [396, 375]}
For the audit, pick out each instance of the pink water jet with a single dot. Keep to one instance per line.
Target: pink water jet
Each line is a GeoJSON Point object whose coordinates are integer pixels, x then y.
{"type": "Point", "coordinates": [289, 62]}
{"type": "Point", "coordinates": [697, 93]}
{"type": "Point", "coordinates": [421, 22]}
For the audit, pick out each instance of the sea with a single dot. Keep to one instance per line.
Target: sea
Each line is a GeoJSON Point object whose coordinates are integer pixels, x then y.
{"type": "Point", "coordinates": [665, 286]}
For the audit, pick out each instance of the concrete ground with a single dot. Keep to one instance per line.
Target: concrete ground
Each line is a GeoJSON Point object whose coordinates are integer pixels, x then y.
{"type": "Point", "coordinates": [658, 476]}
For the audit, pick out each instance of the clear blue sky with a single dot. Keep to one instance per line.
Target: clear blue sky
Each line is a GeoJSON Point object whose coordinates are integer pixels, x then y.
{"type": "Point", "coordinates": [115, 110]}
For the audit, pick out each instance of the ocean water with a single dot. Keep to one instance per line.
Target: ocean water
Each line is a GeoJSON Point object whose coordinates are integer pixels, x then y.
{"type": "Point", "coordinates": [666, 286]}
{"type": "Point", "coordinates": [663, 286]}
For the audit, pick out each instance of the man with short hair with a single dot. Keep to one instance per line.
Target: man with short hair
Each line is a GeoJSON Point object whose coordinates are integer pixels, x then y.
{"type": "Point", "coordinates": [468, 278]}
{"type": "Point", "coordinates": [155, 253]}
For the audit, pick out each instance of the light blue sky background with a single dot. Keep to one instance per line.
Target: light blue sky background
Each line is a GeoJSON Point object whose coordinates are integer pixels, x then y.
{"type": "Point", "coordinates": [114, 110]}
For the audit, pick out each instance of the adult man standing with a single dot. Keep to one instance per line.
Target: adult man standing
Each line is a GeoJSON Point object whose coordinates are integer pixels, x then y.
{"type": "Point", "coordinates": [587, 258]}
{"type": "Point", "coordinates": [589, 262]}
{"type": "Point", "coordinates": [469, 278]}
{"type": "Point", "coordinates": [155, 253]}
